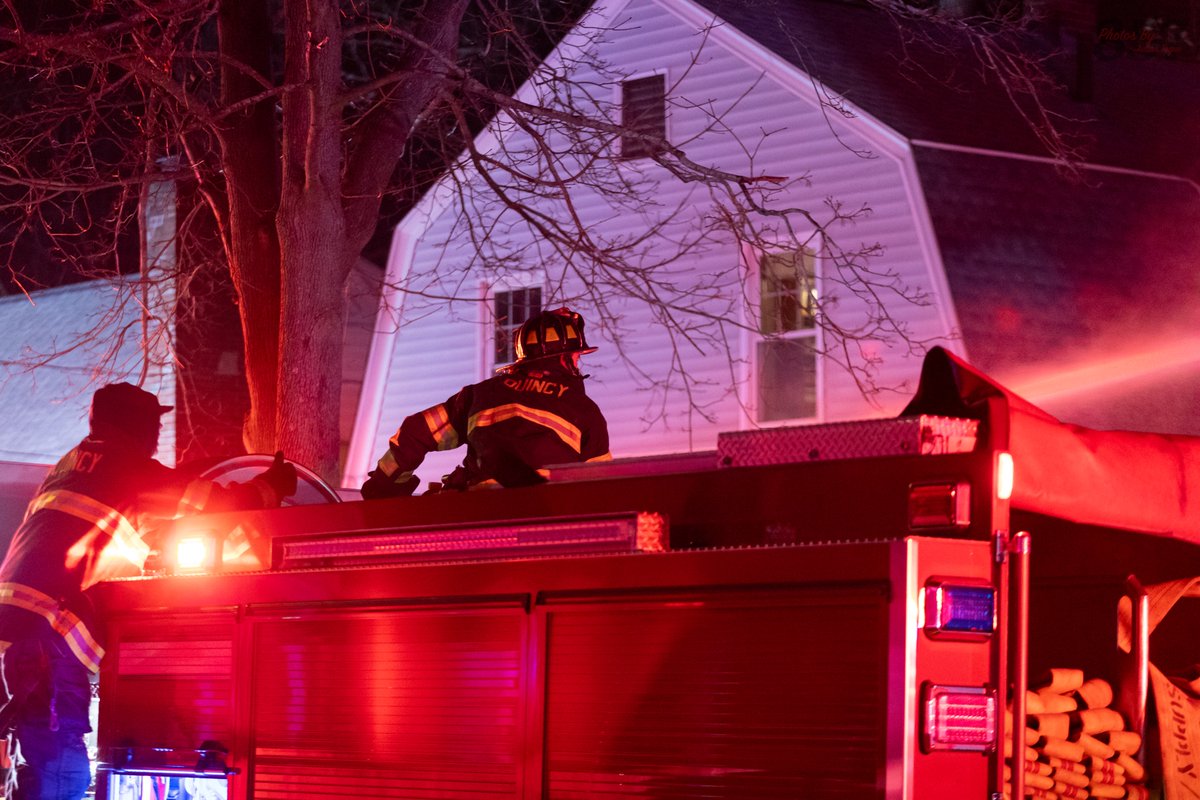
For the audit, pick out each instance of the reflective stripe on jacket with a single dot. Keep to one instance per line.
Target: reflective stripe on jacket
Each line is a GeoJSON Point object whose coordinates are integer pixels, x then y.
{"type": "Point", "coordinates": [65, 623]}
{"type": "Point", "coordinates": [536, 416]}
{"type": "Point", "coordinates": [87, 523]}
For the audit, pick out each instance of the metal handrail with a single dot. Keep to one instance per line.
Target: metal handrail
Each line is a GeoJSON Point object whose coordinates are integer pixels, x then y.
{"type": "Point", "coordinates": [1134, 667]}
{"type": "Point", "coordinates": [1020, 655]}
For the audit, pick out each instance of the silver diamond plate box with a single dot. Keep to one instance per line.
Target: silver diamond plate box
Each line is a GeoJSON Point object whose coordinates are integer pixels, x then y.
{"type": "Point", "coordinates": [903, 436]}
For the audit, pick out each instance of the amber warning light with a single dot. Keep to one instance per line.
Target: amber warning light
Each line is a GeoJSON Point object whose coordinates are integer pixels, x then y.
{"type": "Point", "coordinates": [959, 718]}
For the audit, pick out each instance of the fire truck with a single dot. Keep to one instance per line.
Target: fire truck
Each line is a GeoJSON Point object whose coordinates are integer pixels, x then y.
{"type": "Point", "coordinates": [833, 611]}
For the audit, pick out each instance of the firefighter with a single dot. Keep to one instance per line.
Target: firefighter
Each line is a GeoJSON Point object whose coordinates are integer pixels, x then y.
{"type": "Point", "coordinates": [533, 413]}
{"type": "Point", "coordinates": [85, 524]}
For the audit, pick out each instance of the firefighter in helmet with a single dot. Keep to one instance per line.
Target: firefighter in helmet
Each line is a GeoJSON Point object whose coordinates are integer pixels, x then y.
{"type": "Point", "coordinates": [535, 412]}
{"type": "Point", "coordinates": [85, 524]}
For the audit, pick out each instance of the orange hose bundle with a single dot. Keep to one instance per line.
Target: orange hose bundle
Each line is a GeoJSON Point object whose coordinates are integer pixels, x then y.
{"type": "Point", "coordinates": [1121, 741]}
{"type": "Point", "coordinates": [1095, 693]}
{"type": "Point", "coordinates": [1080, 743]}
{"type": "Point", "coordinates": [1096, 720]}
{"type": "Point", "coordinates": [1093, 746]}
{"type": "Point", "coordinates": [1059, 680]}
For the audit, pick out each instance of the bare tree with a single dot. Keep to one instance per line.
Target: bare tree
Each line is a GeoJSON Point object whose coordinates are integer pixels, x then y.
{"type": "Point", "coordinates": [296, 123]}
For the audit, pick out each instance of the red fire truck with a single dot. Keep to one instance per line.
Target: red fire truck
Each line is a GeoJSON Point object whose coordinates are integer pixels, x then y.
{"type": "Point", "coordinates": [835, 611]}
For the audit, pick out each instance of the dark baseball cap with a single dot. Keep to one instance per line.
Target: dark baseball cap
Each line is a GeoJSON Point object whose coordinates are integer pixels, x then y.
{"type": "Point", "coordinates": [119, 401]}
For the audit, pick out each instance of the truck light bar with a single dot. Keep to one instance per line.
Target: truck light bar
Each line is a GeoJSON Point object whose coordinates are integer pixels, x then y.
{"type": "Point", "coordinates": [958, 609]}
{"type": "Point", "coordinates": [959, 718]}
{"type": "Point", "coordinates": [939, 505]}
{"type": "Point", "coordinates": [640, 532]}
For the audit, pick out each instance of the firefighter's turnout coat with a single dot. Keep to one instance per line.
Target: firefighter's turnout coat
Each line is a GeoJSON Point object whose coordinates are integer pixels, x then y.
{"type": "Point", "coordinates": [86, 523]}
{"type": "Point", "coordinates": [529, 417]}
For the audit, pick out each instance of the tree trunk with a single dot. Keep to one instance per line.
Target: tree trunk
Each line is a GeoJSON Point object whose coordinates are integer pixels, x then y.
{"type": "Point", "coordinates": [251, 155]}
{"type": "Point", "coordinates": [311, 229]}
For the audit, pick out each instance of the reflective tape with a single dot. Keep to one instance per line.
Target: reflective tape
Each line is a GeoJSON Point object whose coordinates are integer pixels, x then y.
{"type": "Point", "coordinates": [240, 541]}
{"type": "Point", "coordinates": [564, 430]}
{"type": "Point", "coordinates": [124, 536]}
{"type": "Point", "coordinates": [65, 623]}
{"type": "Point", "coordinates": [438, 421]}
{"type": "Point", "coordinates": [236, 544]}
{"type": "Point", "coordinates": [195, 497]}
{"type": "Point", "coordinates": [388, 464]}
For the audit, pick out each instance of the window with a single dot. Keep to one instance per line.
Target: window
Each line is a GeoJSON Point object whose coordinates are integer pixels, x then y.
{"type": "Point", "coordinates": [786, 355]}
{"type": "Point", "coordinates": [511, 309]}
{"type": "Point", "coordinates": [643, 109]}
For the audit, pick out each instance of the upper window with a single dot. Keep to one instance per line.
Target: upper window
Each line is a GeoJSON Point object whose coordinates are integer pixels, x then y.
{"type": "Point", "coordinates": [787, 292]}
{"type": "Point", "coordinates": [786, 355]}
{"type": "Point", "coordinates": [511, 308]}
{"type": "Point", "coordinates": [644, 110]}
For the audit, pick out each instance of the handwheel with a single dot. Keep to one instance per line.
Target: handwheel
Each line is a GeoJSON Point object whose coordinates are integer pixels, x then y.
{"type": "Point", "coordinates": [310, 488]}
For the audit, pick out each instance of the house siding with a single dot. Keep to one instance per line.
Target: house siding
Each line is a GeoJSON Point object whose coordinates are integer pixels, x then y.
{"type": "Point", "coordinates": [436, 346]}
{"type": "Point", "coordinates": [84, 331]}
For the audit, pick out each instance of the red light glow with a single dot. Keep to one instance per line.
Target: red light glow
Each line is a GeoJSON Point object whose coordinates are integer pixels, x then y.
{"type": "Point", "coordinates": [191, 553]}
{"type": "Point", "coordinates": [1109, 371]}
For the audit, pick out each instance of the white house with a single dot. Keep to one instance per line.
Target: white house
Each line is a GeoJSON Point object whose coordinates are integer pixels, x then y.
{"type": "Point", "coordinates": [87, 335]}
{"type": "Point", "coordinates": [1029, 272]}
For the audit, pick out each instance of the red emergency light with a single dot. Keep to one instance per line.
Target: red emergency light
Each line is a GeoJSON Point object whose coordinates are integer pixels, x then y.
{"type": "Point", "coordinates": [194, 552]}
{"type": "Point", "coordinates": [958, 718]}
{"type": "Point", "coordinates": [939, 505]}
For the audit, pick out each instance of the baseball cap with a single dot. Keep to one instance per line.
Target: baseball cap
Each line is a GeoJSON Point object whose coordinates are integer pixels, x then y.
{"type": "Point", "coordinates": [118, 401]}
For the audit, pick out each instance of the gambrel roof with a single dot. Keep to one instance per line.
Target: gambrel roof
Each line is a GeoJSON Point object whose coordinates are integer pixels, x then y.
{"type": "Point", "coordinates": [1065, 283]}
{"type": "Point", "coordinates": [1143, 113]}
{"type": "Point", "coordinates": [1090, 271]}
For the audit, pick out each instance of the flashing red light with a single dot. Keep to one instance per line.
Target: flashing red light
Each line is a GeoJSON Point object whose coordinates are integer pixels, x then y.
{"type": "Point", "coordinates": [195, 553]}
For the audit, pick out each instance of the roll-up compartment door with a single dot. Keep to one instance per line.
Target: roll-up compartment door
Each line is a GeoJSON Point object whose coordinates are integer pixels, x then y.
{"type": "Point", "coordinates": [169, 681]}
{"type": "Point", "coordinates": [753, 694]}
{"type": "Point", "coordinates": [389, 703]}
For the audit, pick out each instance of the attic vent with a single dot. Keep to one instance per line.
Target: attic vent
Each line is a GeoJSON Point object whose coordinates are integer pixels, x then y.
{"type": "Point", "coordinates": [643, 110]}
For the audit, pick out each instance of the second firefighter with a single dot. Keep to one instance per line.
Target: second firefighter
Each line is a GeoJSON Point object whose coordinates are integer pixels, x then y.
{"type": "Point", "coordinates": [534, 413]}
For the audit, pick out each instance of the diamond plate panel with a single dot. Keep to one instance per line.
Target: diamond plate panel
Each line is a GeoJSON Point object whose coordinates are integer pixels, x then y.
{"type": "Point", "coordinates": [903, 436]}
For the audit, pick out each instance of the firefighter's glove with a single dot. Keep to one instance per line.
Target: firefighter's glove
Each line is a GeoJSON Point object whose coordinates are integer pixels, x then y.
{"type": "Point", "coordinates": [379, 486]}
{"type": "Point", "coordinates": [281, 477]}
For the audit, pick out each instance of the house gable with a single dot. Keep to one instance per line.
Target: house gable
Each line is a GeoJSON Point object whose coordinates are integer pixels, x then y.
{"type": "Point", "coordinates": [854, 158]}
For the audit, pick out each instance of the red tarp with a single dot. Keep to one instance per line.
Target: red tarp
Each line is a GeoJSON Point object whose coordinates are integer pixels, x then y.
{"type": "Point", "coordinates": [1120, 479]}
